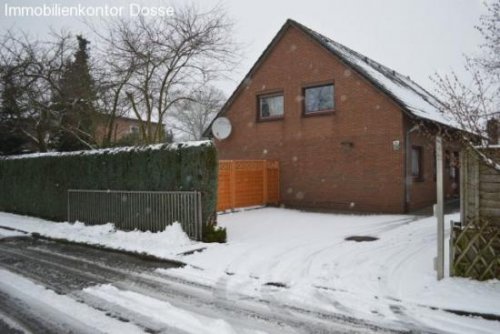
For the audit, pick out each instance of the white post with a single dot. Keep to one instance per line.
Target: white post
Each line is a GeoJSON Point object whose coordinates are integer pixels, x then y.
{"type": "Point", "coordinates": [440, 208]}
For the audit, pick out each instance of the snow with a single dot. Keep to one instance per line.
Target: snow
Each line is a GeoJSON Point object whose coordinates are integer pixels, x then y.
{"type": "Point", "coordinates": [154, 147]}
{"type": "Point", "coordinates": [416, 99]}
{"type": "Point", "coordinates": [307, 253]}
{"type": "Point", "coordinates": [63, 308]}
{"type": "Point", "coordinates": [165, 244]}
{"type": "Point", "coordinates": [289, 257]}
{"type": "Point", "coordinates": [161, 311]}
{"type": "Point", "coordinates": [5, 233]}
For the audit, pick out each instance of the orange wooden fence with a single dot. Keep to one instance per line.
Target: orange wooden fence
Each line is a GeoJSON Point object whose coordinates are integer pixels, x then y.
{"type": "Point", "coordinates": [244, 183]}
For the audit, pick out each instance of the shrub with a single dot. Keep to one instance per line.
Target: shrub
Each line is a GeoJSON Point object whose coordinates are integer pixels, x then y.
{"type": "Point", "coordinates": [37, 184]}
{"type": "Point", "coordinates": [214, 233]}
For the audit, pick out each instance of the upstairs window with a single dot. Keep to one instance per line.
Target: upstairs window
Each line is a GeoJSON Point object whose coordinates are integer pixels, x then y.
{"type": "Point", "coordinates": [416, 163]}
{"type": "Point", "coordinates": [318, 99]}
{"type": "Point", "coordinates": [271, 106]}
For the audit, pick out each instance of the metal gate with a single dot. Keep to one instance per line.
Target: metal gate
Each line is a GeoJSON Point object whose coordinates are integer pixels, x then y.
{"type": "Point", "coordinates": [142, 210]}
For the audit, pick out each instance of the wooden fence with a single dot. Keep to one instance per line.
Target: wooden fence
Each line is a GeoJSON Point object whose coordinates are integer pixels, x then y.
{"type": "Point", "coordinates": [244, 183]}
{"type": "Point", "coordinates": [475, 244]}
{"type": "Point", "coordinates": [480, 184]}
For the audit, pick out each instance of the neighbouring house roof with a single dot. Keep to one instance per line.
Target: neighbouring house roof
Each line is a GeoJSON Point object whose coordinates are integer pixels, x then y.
{"type": "Point", "coordinates": [415, 100]}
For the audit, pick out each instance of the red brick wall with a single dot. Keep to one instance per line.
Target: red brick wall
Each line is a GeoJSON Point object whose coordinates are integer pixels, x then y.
{"type": "Point", "coordinates": [316, 169]}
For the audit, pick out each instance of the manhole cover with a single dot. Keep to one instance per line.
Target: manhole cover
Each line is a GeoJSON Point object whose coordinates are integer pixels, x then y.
{"type": "Point", "coordinates": [361, 238]}
{"type": "Point", "coordinates": [276, 284]}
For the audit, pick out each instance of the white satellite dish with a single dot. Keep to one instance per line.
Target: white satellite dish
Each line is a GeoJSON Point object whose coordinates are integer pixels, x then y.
{"type": "Point", "coordinates": [221, 128]}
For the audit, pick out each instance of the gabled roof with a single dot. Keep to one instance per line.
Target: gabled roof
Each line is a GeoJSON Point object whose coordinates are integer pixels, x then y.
{"type": "Point", "coordinates": [414, 100]}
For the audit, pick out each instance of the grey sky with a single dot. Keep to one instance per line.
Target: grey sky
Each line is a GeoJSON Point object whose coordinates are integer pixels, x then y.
{"type": "Point", "coordinates": [414, 37]}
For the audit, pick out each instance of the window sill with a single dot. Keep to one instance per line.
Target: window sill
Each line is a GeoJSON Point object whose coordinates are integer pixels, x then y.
{"type": "Point", "coordinates": [270, 119]}
{"type": "Point", "coordinates": [319, 113]}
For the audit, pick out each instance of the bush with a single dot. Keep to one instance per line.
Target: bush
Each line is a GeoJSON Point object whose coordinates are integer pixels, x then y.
{"type": "Point", "coordinates": [214, 233]}
{"type": "Point", "coordinates": [37, 184]}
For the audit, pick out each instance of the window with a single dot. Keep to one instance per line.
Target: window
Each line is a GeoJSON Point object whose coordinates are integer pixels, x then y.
{"type": "Point", "coordinates": [134, 129]}
{"type": "Point", "coordinates": [271, 106]}
{"type": "Point", "coordinates": [454, 166]}
{"type": "Point", "coordinates": [318, 99]}
{"type": "Point", "coordinates": [416, 162]}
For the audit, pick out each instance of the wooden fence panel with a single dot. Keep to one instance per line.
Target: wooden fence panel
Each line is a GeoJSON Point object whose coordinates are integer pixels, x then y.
{"type": "Point", "coordinates": [475, 246]}
{"type": "Point", "coordinates": [224, 185]}
{"type": "Point", "coordinates": [244, 183]}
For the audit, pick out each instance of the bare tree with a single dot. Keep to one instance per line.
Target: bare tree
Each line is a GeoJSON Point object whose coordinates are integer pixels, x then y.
{"type": "Point", "coordinates": [36, 67]}
{"type": "Point", "coordinates": [191, 117]}
{"type": "Point", "coordinates": [112, 77]}
{"type": "Point", "coordinates": [471, 104]}
{"type": "Point", "coordinates": [166, 59]}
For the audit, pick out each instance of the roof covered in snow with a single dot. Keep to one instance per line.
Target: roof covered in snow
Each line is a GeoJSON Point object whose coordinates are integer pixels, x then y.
{"type": "Point", "coordinates": [413, 98]}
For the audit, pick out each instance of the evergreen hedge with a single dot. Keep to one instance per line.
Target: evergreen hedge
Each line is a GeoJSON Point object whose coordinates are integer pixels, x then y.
{"type": "Point", "coordinates": [37, 184]}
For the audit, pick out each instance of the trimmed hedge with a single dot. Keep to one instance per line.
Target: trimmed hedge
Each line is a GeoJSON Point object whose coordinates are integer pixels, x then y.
{"type": "Point", "coordinates": [37, 184]}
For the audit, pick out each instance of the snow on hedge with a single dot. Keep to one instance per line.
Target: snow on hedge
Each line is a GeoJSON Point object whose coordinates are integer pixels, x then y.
{"type": "Point", "coordinates": [153, 147]}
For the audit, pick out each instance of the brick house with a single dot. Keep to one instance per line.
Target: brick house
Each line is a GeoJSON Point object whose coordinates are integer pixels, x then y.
{"type": "Point", "coordinates": [123, 126]}
{"type": "Point", "coordinates": [347, 131]}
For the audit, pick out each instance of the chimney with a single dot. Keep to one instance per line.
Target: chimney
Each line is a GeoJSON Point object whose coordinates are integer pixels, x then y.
{"type": "Point", "coordinates": [493, 130]}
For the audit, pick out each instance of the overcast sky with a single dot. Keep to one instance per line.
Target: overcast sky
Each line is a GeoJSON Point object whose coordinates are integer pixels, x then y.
{"type": "Point", "coordinates": [414, 37]}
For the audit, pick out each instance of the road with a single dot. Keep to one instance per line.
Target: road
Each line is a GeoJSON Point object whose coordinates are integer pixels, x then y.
{"type": "Point", "coordinates": [127, 294]}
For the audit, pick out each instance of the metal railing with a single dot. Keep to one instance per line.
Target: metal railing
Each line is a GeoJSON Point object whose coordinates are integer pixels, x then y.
{"type": "Point", "coordinates": [142, 210]}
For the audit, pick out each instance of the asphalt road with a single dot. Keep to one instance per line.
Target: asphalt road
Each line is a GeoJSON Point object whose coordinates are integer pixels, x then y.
{"type": "Point", "coordinates": [68, 268]}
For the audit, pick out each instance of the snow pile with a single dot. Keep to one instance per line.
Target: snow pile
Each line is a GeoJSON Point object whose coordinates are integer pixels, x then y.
{"type": "Point", "coordinates": [165, 244]}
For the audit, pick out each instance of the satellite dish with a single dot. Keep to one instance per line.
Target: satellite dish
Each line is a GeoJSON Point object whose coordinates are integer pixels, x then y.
{"type": "Point", "coordinates": [221, 128]}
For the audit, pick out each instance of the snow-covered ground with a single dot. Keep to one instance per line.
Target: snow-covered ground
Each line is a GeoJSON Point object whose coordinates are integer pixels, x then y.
{"type": "Point", "coordinates": [389, 280]}
{"type": "Point", "coordinates": [62, 310]}
{"type": "Point", "coordinates": [288, 257]}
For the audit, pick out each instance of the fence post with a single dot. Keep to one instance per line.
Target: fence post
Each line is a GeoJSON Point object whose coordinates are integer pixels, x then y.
{"type": "Point", "coordinates": [199, 222]}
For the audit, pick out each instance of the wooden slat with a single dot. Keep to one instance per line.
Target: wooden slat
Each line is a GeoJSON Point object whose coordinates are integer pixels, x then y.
{"type": "Point", "coordinates": [487, 212]}
{"type": "Point", "coordinates": [245, 183]}
{"type": "Point", "coordinates": [490, 196]}
{"type": "Point", "coordinates": [490, 178]}
{"type": "Point", "coordinates": [490, 203]}
{"type": "Point", "coordinates": [490, 188]}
